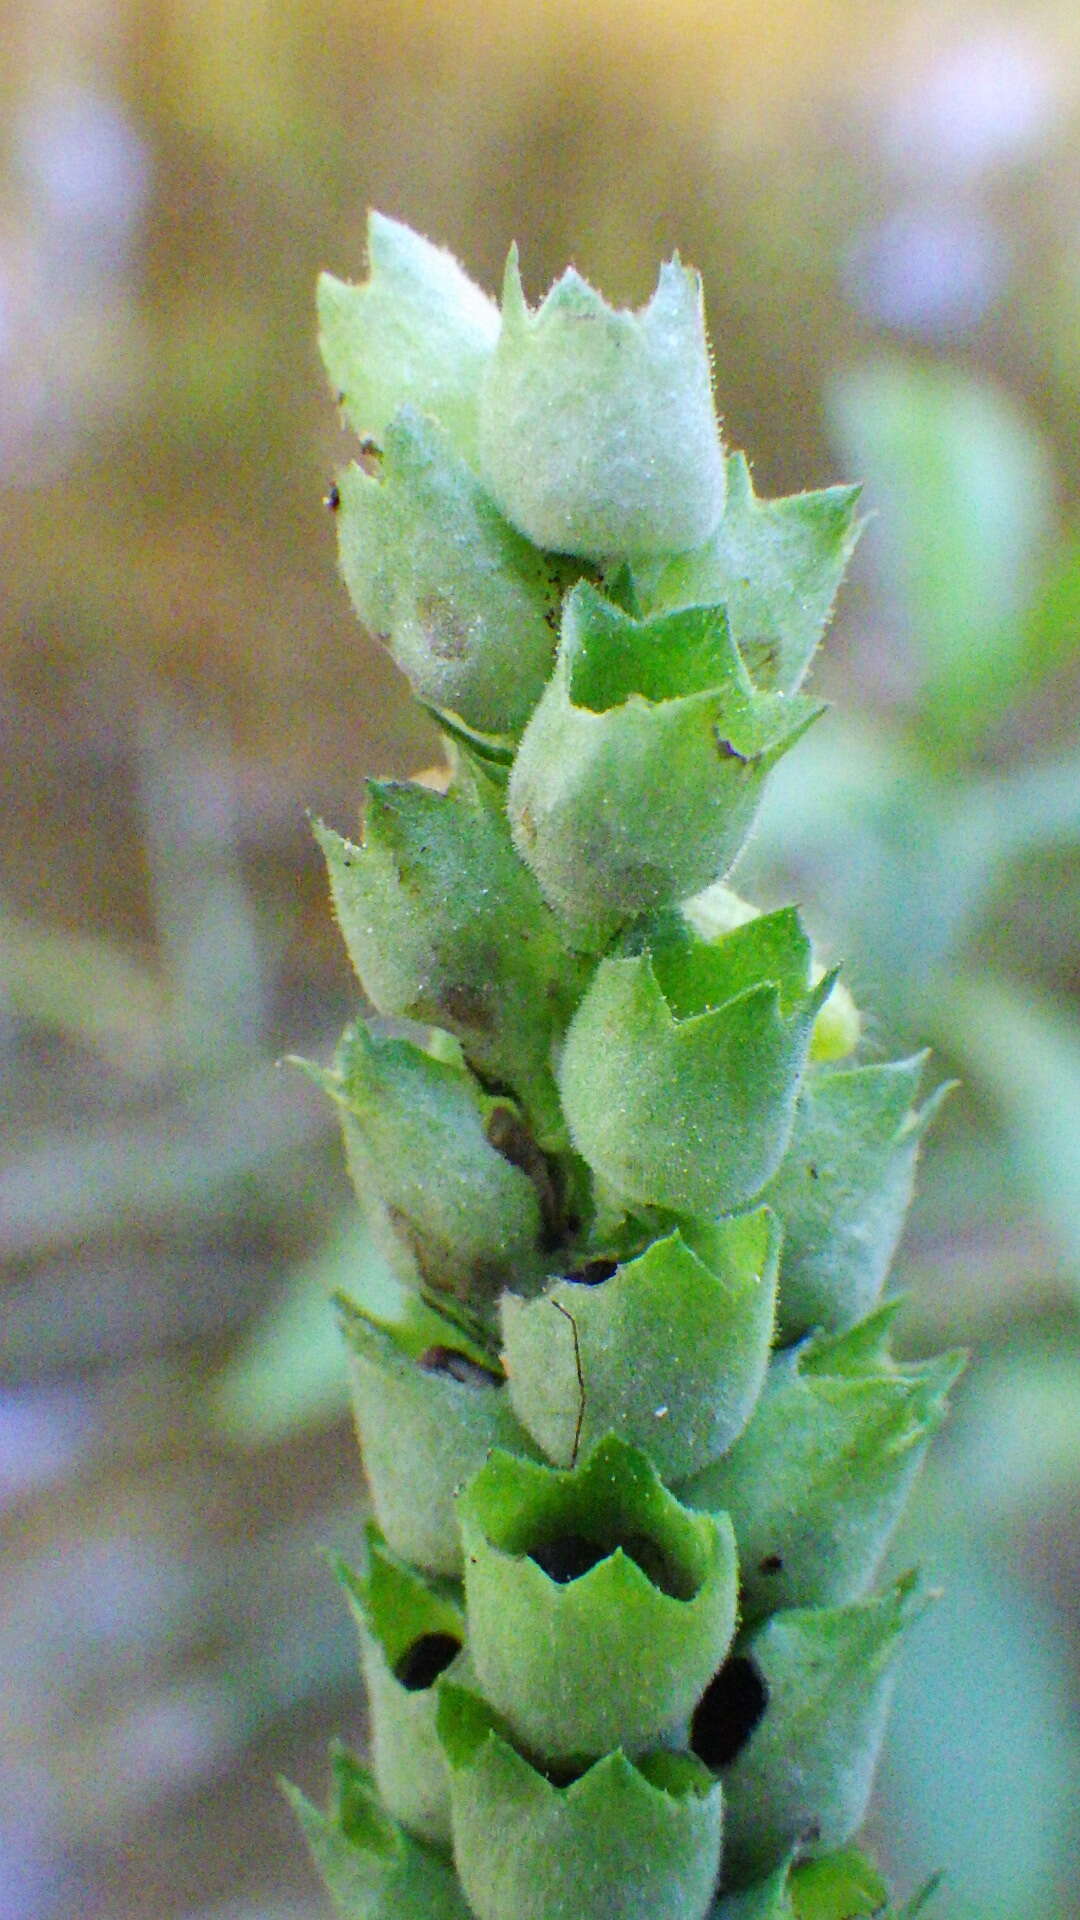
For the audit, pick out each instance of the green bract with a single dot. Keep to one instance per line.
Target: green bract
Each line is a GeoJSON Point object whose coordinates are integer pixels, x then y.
{"type": "Point", "coordinates": [802, 1779]}
{"type": "Point", "coordinates": [410, 1633]}
{"type": "Point", "coordinates": [669, 1350]}
{"type": "Point", "coordinates": [818, 1480]}
{"type": "Point", "coordinates": [638, 776]}
{"type": "Point", "coordinates": [463, 1219]}
{"type": "Point", "coordinates": [844, 1188]}
{"type": "Point", "coordinates": [374, 1870]}
{"type": "Point", "coordinates": [775, 565]}
{"type": "Point", "coordinates": [680, 1071]}
{"type": "Point", "coordinates": [435, 571]}
{"type": "Point", "coordinates": [634, 1436]}
{"type": "Point", "coordinates": [418, 332]}
{"type": "Point", "coordinates": [444, 924]}
{"type": "Point", "coordinates": [836, 1886]}
{"type": "Point", "coordinates": [425, 1423]}
{"type": "Point", "coordinates": [622, 1840]}
{"type": "Point", "coordinates": [597, 429]}
{"type": "Point", "coordinates": [598, 1606]}
{"type": "Point", "coordinates": [718, 910]}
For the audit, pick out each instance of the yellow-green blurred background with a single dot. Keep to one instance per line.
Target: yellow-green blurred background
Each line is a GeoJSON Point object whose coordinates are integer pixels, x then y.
{"type": "Point", "coordinates": [884, 199]}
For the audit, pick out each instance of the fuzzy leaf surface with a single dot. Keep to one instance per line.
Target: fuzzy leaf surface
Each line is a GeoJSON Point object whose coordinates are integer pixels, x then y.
{"type": "Point", "coordinates": [842, 1886]}
{"type": "Point", "coordinates": [435, 571]}
{"type": "Point", "coordinates": [416, 1136]}
{"type": "Point", "coordinates": [423, 1433]}
{"type": "Point", "coordinates": [444, 925]}
{"type": "Point", "coordinates": [371, 1868]}
{"type": "Point", "coordinates": [400, 1616]}
{"type": "Point", "coordinates": [839, 1886]}
{"type": "Point", "coordinates": [598, 1606]}
{"type": "Point", "coordinates": [690, 1113]}
{"type": "Point", "coordinates": [622, 1840]}
{"type": "Point", "coordinates": [775, 566]}
{"type": "Point", "coordinates": [843, 1190]}
{"type": "Point", "coordinates": [598, 432]}
{"type": "Point", "coordinates": [803, 1778]}
{"type": "Point", "coordinates": [417, 332]}
{"type": "Point", "coordinates": [819, 1478]}
{"type": "Point", "coordinates": [638, 776]}
{"type": "Point", "coordinates": [671, 1349]}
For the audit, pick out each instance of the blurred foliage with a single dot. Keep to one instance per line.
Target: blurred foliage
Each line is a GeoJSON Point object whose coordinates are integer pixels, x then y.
{"type": "Point", "coordinates": [907, 839]}
{"type": "Point", "coordinates": [888, 190]}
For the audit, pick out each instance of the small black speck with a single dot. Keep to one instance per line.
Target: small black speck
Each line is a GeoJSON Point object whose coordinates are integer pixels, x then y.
{"type": "Point", "coordinates": [772, 1563]}
{"type": "Point", "coordinates": [728, 751]}
{"type": "Point", "coordinates": [813, 1172]}
{"type": "Point", "coordinates": [333, 497]}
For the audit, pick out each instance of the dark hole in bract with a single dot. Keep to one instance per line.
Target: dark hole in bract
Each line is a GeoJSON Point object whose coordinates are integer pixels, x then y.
{"type": "Point", "coordinates": [570, 1555]}
{"type": "Point", "coordinates": [561, 1773]}
{"type": "Point", "coordinates": [458, 1365]}
{"type": "Point", "coordinates": [772, 1563]}
{"type": "Point", "coordinates": [421, 1664]}
{"type": "Point", "coordinates": [592, 1273]}
{"type": "Point", "coordinates": [728, 1711]}
{"type": "Point", "coordinates": [508, 1134]}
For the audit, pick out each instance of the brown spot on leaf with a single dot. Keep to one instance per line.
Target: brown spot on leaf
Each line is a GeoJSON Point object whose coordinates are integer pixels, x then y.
{"type": "Point", "coordinates": [508, 1134]}
{"type": "Point", "coordinates": [446, 633]}
{"type": "Point", "coordinates": [468, 1005]}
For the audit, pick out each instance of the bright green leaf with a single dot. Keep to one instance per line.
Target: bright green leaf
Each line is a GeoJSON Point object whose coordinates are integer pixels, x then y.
{"type": "Point", "coordinates": [639, 774]}
{"type": "Point", "coordinates": [842, 1886]}
{"type": "Point", "coordinates": [373, 1870]}
{"type": "Point", "coordinates": [775, 567]}
{"type": "Point", "coordinates": [598, 1606]}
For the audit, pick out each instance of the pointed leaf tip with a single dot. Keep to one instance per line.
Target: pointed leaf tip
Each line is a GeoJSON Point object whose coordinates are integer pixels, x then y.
{"type": "Point", "coordinates": [417, 332]}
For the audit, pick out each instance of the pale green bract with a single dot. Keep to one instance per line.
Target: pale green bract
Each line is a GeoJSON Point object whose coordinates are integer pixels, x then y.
{"type": "Point", "coordinates": [639, 1444]}
{"type": "Point", "coordinates": [417, 333]}
{"type": "Point", "coordinates": [597, 430]}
